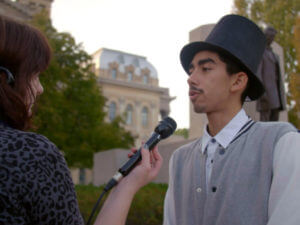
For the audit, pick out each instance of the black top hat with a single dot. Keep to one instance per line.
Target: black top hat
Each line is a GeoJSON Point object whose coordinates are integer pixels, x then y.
{"type": "Point", "coordinates": [238, 38]}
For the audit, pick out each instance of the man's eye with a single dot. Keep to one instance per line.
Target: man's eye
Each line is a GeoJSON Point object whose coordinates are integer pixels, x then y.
{"type": "Point", "coordinates": [206, 68]}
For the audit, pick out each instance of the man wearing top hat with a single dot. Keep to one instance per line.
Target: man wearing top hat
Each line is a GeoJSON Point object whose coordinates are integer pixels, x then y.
{"type": "Point", "coordinates": [240, 172]}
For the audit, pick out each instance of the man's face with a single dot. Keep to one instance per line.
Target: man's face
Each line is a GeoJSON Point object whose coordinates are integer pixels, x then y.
{"type": "Point", "coordinates": [209, 83]}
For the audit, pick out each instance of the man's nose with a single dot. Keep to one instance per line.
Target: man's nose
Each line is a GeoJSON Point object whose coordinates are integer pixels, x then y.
{"type": "Point", "coordinates": [192, 79]}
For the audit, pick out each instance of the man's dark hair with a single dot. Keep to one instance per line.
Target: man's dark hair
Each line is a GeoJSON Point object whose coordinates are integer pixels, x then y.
{"type": "Point", "coordinates": [233, 67]}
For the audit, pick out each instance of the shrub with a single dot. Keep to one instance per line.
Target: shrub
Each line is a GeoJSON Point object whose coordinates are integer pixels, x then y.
{"type": "Point", "coordinates": [146, 209]}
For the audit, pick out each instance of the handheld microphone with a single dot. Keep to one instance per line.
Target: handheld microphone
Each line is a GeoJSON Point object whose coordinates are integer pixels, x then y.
{"type": "Point", "coordinates": [164, 129]}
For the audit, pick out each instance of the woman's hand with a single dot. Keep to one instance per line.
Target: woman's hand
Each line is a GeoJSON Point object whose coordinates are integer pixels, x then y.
{"type": "Point", "coordinates": [145, 171]}
{"type": "Point", "coordinates": [116, 207]}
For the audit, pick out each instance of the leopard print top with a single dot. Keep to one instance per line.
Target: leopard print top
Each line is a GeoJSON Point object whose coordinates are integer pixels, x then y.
{"type": "Point", "coordinates": [35, 182]}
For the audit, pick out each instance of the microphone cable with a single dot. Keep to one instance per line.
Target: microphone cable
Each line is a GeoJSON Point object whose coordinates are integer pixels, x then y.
{"type": "Point", "coordinates": [106, 189]}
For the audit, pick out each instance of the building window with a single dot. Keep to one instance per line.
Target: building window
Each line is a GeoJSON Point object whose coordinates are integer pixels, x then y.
{"type": "Point", "coordinates": [114, 73]}
{"type": "Point", "coordinates": [129, 76]}
{"type": "Point", "coordinates": [112, 111]}
{"type": "Point", "coordinates": [145, 117]}
{"type": "Point", "coordinates": [81, 176]}
{"type": "Point", "coordinates": [129, 112]}
{"type": "Point", "coordinates": [145, 79]}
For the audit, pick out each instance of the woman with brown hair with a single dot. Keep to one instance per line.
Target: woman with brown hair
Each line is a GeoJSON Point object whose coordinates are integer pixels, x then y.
{"type": "Point", "coordinates": [35, 182]}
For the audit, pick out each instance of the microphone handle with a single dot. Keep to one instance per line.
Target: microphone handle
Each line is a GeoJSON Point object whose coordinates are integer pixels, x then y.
{"type": "Point", "coordinates": [131, 163]}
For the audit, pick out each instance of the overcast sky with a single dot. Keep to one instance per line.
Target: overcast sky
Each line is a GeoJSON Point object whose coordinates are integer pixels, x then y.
{"type": "Point", "coordinates": [156, 29]}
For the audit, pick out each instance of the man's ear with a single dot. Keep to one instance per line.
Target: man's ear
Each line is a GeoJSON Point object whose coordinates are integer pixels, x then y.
{"type": "Point", "coordinates": [239, 82]}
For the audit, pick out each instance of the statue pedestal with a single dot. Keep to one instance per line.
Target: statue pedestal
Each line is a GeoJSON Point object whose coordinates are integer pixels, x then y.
{"type": "Point", "coordinates": [250, 108]}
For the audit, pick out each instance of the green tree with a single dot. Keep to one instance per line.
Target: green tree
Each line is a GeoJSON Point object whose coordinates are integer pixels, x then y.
{"type": "Point", "coordinates": [295, 78]}
{"type": "Point", "coordinates": [281, 14]}
{"type": "Point", "coordinates": [70, 112]}
{"type": "Point", "coordinates": [182, 132]}
{"type": "Point", "coordinates": [295, 91]}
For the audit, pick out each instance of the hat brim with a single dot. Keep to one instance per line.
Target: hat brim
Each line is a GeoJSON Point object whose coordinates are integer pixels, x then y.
{"type": "Point", "coordinates": [256, 88]}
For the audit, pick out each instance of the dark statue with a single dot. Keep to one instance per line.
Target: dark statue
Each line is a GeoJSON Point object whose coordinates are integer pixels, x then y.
{"type": "Point", "coordinates": [273, 101]}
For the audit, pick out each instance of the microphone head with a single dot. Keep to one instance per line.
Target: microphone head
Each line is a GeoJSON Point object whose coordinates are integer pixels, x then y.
{"type": "Point", "coordinates": [166, 127]}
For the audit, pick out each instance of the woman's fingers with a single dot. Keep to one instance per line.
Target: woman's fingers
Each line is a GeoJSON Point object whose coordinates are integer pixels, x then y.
{"type": "Point", "coordinates": [133, 151]}
{"type": "Point", "coordinates": [145, 158]}
{"type": "Point", "coordinates": [157, 162]}
{"type": "Point", "coordinates": [156, 154]}
{"type": "Point", "coordinates": [152, 161]}
{"type": "Point", "coordinates": [146, 170]}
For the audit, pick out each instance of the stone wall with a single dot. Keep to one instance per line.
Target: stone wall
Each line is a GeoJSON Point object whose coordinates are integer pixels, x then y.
{"type": "Point", "coordinates": [107, 163]}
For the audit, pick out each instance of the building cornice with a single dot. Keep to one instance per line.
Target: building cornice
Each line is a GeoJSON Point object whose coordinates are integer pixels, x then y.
{"type": "Point", "coordinates": [118, 51]}
{"type": "Point", "coordinates": [131, 85]}
{"type": "Point", "coordinates": [168, 98]}
{"type": "Point", "coordinates": [18, 7]}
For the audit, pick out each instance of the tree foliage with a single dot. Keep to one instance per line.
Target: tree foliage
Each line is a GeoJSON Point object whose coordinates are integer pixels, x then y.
{"type": "Point", "coordinates": [71, 110]}
{"type": "Point", "coordinates": [182, 132]}
{"type": "Point", "coordinates": [295, 91]}
{"type": "Point", "coordinates": [295, 77]}
{"type": "Point", "coordinates": [280, 14]}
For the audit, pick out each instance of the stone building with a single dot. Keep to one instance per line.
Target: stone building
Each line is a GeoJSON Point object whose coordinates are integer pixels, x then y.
{"type": "Point", "coordinates": [24, 10]}
{"type": "Point", "coordinates": [130, 84]}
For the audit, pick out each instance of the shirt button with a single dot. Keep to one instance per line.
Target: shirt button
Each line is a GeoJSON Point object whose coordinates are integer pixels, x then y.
{"type": "Point", "coordinates": [198, 190]}
{"type": "Point", "coordinates": [222, 151]}
{"type": "Point", "coordinates": [214, 189]}
{"type": "Point", "coordinates": [213, 140]}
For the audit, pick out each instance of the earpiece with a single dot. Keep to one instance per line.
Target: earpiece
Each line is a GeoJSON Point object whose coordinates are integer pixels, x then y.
{"type": "Point", "coordinates": [10, 77]}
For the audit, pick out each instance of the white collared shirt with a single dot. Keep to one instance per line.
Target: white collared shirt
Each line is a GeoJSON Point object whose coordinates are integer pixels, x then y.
{"type": "Point", "coordinates": [223, 138]}
{"type": "Point", "coordinates": [284, 198]}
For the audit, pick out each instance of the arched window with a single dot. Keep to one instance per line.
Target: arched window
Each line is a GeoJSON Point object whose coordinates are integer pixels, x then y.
{"type": "Point", "coordinates": [129, 76]}
{"type": "Point", "coordinates": [145, 117]}
{"type": "Point", "coordinates": [129, 112]}
{"type": "Point", "coordinates": [81, 176]}
{"type": "Point", "coordinates": [112, 111]}
{"type": "Point", "coordinates": [114, 73]}
{"type": "Point", "coordinates": [145, 79]}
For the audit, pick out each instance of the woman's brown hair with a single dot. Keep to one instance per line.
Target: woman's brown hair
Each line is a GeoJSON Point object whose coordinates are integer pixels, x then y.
{"type": "Point", "coordinates": [25, 52]}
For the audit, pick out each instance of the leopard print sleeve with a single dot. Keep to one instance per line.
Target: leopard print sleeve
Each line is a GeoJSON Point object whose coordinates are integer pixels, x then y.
{"type": "Point", "coordinates": [35, 182]}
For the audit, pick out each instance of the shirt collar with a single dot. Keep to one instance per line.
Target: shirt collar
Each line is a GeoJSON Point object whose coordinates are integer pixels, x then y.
{"type": "Point", "coordinates": [205, 139]}
{"type": "Point", "coordinates": [226, 135]}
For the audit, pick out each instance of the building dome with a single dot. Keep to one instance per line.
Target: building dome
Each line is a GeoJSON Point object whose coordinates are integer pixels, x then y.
{"type": "Point", "coordinates": [140, 63]}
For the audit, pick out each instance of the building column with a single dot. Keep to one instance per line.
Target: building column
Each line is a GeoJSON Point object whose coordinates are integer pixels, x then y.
{"type": "Point", "coordinates": [138, 123]}
{"type": "Point", "coordinates": [122, 106]}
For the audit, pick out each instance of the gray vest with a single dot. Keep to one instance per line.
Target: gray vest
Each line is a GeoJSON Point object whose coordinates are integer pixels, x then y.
{"type": "Point", "coordinates": [240, 181]}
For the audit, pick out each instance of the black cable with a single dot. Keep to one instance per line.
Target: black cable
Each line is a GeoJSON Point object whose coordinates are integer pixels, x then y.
{"type": "Point", "coordinates": [95, 207]}
{"type": "Point", "coordinates": [109, 186]}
